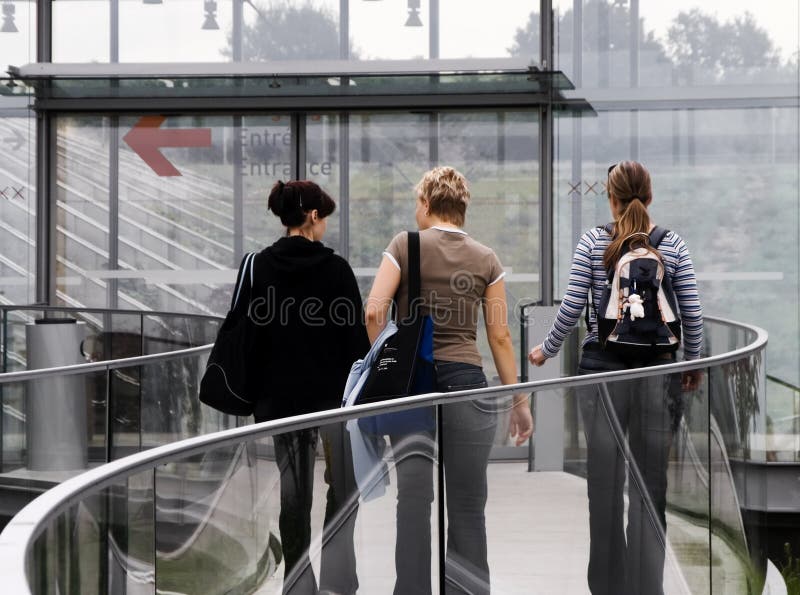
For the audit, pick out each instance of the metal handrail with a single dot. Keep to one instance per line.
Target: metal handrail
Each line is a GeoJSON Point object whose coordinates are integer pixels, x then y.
{"type": "Point", "coordinates": [116, 311]}
{"type": "Point", "coordinates": [20, 534]}
{"type": "Point", "coordinates": [106, 365]}
{"type": "Point", "coordinates": [112, 364]}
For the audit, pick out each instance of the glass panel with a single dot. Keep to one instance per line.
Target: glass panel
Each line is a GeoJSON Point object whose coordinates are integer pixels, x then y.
{"type": "Point", "coordinates": [131, 535]}
{"type": "Point", "coordinates": [104, 544]}
{"type": "Point", "coordinates": [389, 31]}
{"type": "Point", "coordinates": [17, 192]}
{"type": "Point", "coordinates": [71, 556]}
{"type": "Point", "coordinates": [388, 155]}
{"type": "Point", "coordinates": [266, 144]}
{"type": "Point", "coordinates": [71, 20]}
{"type": "Point", "coordinates": [654, 436]}
{"type": "Point", "coordinates": [290, 86]}
{"type": "Point", "coordinates": [478, 30]}
{"type": "Point", "coordinates": [82, 216]}
{"type": "Point", "coordinates": [677, 44]}
{"type": "Point", "coordinates": [390, 534]}
{"type": "Point", "coordinates": [165, 203]}
{"type": "Point", "coordinates": [498, 152]}
{"type": "Point", "coordinates": [698, 158]}
{"type": "Point", "coordinates": [163, 399]}
{"type": "Point", "coordinates": [180, 31]}
{"type": "Point", "coordinates": [18, 33]}
{"type": "Point", "coordinates": [324, 165]}
{"type": "Point", "coordinates": [13, 418]}
{"type": "Point", "coordinates": [210, 534]}
{"type": "Point", "coordinates": [272, 31]}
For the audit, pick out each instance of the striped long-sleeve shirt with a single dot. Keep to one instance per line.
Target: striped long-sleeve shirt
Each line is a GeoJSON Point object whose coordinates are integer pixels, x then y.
{"type": "Point", "coordinates": [588, 271]}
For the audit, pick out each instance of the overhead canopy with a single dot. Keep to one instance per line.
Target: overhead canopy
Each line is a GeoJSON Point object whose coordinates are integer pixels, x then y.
{"type": "Point", "coordinates": [299, 84]}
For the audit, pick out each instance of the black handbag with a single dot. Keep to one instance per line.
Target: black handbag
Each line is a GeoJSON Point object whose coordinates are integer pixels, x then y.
{"type": "Point", "coordinates": [404, 365]}
{"type": "Point", "coordinates": [224, 383]}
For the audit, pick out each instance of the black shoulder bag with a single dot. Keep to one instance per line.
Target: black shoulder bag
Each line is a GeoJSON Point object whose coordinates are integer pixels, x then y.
{"type": "Point", "coordinates": [224, 384]}
{"type": "Point", "coordinates": [404, 365]}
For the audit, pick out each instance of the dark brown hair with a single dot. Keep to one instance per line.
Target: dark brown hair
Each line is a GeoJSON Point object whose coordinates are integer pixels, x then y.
{"type": "Point", "coordinates": [291, 201]}
{"type": "Point", "coordinates": [629, 184]}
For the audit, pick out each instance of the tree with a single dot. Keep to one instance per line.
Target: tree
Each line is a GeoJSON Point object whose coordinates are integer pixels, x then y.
{"type": "Point", "coordinates": [605, 27]}
{"type": "Point", "coordinates": [701, 46]}
{"type": "Point", "coordinates": [286, 32]}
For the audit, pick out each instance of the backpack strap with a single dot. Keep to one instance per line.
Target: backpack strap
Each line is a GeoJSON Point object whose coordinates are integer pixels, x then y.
{"type": "Point", "coordinates": [657, 234]}
{"type": "Point", "coordinates": [609, 229]}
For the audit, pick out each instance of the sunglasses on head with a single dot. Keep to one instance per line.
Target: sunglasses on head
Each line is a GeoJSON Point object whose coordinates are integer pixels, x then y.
{"type": "Point", "coordinates": [611, 168]}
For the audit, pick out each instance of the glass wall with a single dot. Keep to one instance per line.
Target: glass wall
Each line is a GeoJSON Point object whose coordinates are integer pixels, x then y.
{"type": "Point", "coordinates": [17, 158]}
{"type": "Point", "coordinates": [706, 97]}
{"type": "Point", "coordinates": [235, 30]}
{"type": "Point", "coordinates": [165, 229]}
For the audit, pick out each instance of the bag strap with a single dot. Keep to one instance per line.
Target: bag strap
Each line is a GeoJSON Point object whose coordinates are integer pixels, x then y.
{"type": "Point", "coordinates": [245, 271]}
{"type": "Point", "coordinates": [414, 282]}
{"type": "Point", "coordinates": [656, 235]}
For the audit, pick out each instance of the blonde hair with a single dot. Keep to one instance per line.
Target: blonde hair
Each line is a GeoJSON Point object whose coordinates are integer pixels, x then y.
{"type": "Point", "coordinates": [447, 194]}
{"type": "Point", "coordinates": [629, 184]}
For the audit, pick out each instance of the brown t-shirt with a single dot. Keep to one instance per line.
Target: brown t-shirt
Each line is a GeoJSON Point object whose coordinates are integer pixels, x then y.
{"type": "Point", "coordinates": [455, 271]}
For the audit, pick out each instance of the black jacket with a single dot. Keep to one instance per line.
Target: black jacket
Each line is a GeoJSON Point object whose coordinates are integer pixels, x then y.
{"type": "Point", "coordinates": [309, 328]}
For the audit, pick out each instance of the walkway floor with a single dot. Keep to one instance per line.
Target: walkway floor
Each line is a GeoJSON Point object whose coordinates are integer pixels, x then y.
{"type": "Point", "coordinates": [537, 525]}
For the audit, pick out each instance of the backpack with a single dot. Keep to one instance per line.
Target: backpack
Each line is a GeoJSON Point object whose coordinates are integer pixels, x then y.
{"type": "Point", "coordinates": [638, 316]}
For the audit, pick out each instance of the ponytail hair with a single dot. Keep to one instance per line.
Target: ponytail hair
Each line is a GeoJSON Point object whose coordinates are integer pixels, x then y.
{"type": "Point", "coordinates": [629, 184]}
{"type": "Point", "coordinates": [291, 201]}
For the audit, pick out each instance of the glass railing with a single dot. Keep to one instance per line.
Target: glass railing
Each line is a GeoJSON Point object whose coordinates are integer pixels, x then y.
{"type": "Point", "coordinates": [649, 498]}
{"type": "Point", "coordinates": [82, 387]}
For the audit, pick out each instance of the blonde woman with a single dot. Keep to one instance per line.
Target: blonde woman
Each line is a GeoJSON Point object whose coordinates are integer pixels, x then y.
{"type": "Point", "coordinates": [460, 277]}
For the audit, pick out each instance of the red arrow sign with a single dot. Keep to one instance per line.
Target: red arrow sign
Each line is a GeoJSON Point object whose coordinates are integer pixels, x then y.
{"type": "Point", "coordinates": [146, 138]}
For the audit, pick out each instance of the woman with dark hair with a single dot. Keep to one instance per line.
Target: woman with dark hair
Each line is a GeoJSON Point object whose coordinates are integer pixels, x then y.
{"type": "Point", "coordinates": [648, 410]}
{"type": "Point", "coordinates": [308, 313]}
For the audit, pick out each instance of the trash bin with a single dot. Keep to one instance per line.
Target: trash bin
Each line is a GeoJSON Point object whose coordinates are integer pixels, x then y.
{"type": "Point", "coordinates": [56, 406]}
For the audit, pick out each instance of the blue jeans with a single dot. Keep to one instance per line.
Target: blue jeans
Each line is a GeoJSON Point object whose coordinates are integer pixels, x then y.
{"type": "Point", "coordinates": [468, 431]}
{"type": "Point", "coordinates": [648, 411]}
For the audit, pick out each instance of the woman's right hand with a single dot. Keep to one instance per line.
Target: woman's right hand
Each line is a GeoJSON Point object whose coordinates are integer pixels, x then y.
{"type": "Point", "coordinates": [536, 356]}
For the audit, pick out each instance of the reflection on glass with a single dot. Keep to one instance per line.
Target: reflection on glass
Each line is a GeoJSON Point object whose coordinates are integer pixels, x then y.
{"type": "Point", "coordinates": [175, 213]}
{"type": "Point", "coordinates": [82, 216]}
{"type": "Point", "coordinates": [17, 203]}
{"type": "Point", "coordinates": [212, 529]}
{"type": "Point", "coordinates": [323, 166]}
{"type": "Point", "coordinates": [388, 155]}
{"type": "Point", "coordinates": [265, 143]}
{"type": "Point", "coordinates": [662, 445]}
{"type": "Point", "coordinates": [604, 44]}
{"type": "Point", "coordinates": [695, 157]}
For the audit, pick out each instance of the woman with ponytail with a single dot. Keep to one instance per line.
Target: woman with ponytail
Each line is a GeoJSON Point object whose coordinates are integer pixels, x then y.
{"type": "Point", "coordinates": [308, 314]}
{"type": "Point", "coordinates": [645, 411]}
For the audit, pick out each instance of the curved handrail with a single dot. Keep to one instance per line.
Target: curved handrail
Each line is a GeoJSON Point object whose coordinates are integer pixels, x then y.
{"type": "Point", "coordinates": [21, 532]}
{"type": "Point", "coordinates": [111, 364]}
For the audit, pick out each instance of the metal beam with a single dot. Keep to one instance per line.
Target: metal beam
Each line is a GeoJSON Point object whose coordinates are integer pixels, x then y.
{"type": "Point", "coordinates": [284, 68]}
{"type": "Point", "coordinates": [546, 142]}
{"type": "Point", "coordinates": [45, 149]}
{"type": "Point", "coordinates": [400, 103]}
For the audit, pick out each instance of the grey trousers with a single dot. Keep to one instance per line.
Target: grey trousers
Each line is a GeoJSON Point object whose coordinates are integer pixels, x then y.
{"type": "Point", "coordinates": [468, 431]}
{"type": "Point", "coordinates": [639, 416]}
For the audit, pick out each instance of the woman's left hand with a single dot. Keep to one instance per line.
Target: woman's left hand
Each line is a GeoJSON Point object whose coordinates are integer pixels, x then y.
{"type": "Point", "coordinates": [521, 425]}
{"type": "Point", "coordinates": [536, 356]}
